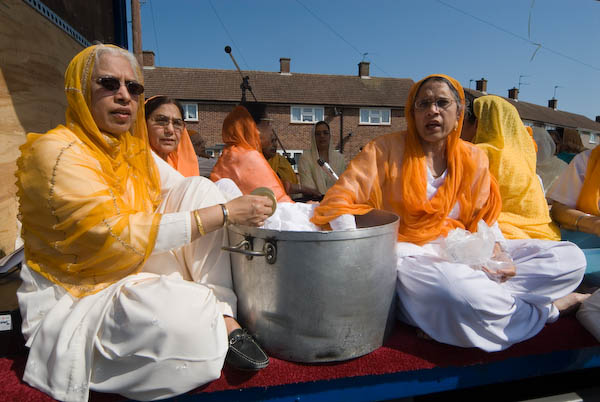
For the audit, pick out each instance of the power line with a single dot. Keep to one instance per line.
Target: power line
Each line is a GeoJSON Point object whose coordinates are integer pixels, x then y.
{"type": "Point", "coordinates": [539, 45]}
{"type": "Point", "coordinates": [361, 54]}
{"type": "Point", "coordinates": [228, 34]}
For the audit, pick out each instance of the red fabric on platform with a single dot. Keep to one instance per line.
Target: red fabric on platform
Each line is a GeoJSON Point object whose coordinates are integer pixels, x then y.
{"type": "Point", "coordinates": [403, 351]}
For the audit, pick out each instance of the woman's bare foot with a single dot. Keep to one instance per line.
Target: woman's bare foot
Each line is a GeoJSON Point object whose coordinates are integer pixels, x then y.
{"type": "Point", "coordinates": [570, 303]}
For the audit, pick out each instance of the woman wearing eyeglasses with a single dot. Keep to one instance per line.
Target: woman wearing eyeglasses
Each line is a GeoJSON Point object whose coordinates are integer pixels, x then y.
{"type": "Point", "coordinates": [497, 130]}
{"type": "Point", "coordinates": [436, 182]}
{"type": "Point", "coordinates": [125, 287]}
{"type": "Point", "coordinates": [168, 136]}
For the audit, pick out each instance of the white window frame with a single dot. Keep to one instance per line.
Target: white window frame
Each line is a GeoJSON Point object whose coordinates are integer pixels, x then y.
{"type": "Point", "coordinates": [374, 112]}
{"type": "Point", "coordinates": [294, 153]}
{"type": "Point", "coordinates": [186, 113]}
{"type": "Point", "coordinates": [312, 113]}
{"type": "Point", "coordinates": [593, 138]}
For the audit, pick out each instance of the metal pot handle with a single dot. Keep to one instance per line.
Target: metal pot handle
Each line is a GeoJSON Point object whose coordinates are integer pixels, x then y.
{"type": "Point", "coordinates": [244, 247]}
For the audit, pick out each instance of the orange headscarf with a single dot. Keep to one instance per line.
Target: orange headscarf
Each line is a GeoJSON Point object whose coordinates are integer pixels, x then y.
{"type": "Point", "coordinates": [589, 196]}
{"type": "Point", "coordinates": [390, 174]}
{"type": "Point", "coordinates": [87, 199]}
{"type": "Point", "coordinates": [183, 159]}
{"type": "Point", "coordinates": [242, 160]}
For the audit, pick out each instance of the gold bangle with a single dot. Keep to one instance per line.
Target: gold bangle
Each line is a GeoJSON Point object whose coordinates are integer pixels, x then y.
{"type": "Point", "coordinates": [225, 214]}
{"type": "Point", "coordinates": [577, 221]}
{"type": "Point", "coordinates": [199, 223]}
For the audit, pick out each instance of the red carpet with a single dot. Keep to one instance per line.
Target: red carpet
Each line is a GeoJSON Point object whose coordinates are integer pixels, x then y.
{"type": "Point", "coordinates": [403, 351]}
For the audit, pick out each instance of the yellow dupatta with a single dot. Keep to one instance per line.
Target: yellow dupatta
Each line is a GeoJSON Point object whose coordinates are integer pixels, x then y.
{"type": "Point", "coordinates": [87, 200]}
{"type": "Point", "coordinates": [511, 150]}
{"type": "Point", "coordinates": [589, 196]}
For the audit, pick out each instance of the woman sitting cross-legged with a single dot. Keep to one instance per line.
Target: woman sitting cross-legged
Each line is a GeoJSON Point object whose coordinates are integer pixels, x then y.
{"type": "Point", "coordinates": [125, 287]}
{"type": "Point", "coordinates": [435, 182]}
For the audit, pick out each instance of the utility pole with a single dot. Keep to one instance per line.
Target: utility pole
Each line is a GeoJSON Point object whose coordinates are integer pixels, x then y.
{"type": "Point", "coordinates": [136, 30]}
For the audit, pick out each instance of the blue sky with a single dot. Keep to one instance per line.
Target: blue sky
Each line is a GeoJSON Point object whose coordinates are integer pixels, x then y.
{"type": "Point", "coordinates": [467, 39]}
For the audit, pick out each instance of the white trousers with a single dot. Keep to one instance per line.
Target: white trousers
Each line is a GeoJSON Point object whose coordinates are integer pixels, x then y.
{"type": "Point", "coordinates": [460, 306]}
{"type": "Point", "coordinates": [150, 336]}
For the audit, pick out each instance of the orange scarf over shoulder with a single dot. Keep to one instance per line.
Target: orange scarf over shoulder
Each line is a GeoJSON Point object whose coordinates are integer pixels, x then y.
{"type": "Point", "coordinates": [242, 160]}
{"type": "Point", "coordinates": [390, 174]}
{"type": "Point", "coordinates": [589, 196]}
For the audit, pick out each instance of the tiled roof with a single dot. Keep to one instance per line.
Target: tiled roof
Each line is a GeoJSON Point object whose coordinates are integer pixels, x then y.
{"type": "Point", "coordinates": [273, 87]}
{"type": "Point", "coordinates": [208, 85]}
{"type": "Point", "coordinates": [544, 114]}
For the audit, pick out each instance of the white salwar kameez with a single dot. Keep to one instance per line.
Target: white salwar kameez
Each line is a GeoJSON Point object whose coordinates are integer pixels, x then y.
{"type": "Point", "coordinates": [149, 336]}
{"type": "Point", "coordinates": [458, 305]}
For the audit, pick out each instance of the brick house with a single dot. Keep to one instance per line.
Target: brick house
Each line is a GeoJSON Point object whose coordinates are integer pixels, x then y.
{"type": "Point", "coordinates": [549, 116]}
{"type": "Point", "coordinates": [361, 106]}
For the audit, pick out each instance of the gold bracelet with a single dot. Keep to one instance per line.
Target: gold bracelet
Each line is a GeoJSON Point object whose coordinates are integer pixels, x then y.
{"type": "Point", "coordinates": [577, 221]}
{"type": "Point", "coordinates": [225, 214]}
{"type": "Point", "coordinates": [199, 223]}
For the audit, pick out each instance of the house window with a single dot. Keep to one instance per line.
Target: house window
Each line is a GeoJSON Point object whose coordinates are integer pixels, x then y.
{"type": "Point", "coordinates": [593, 138]}
{"type": "Point", "coordinates": [190, 111]}
{"type": "Point", "coordinates": [295, 154]}
{"type": "Point", "coordinates": [306, 114]}
{"type": "Point", "coordinates": [375, 116]}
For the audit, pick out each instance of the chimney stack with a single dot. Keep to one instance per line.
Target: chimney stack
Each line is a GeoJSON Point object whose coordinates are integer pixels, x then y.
{"type": "Point", "coordinates": [363, 69]}
{"type": "Point", "coordinates": [552, 103]}
{"type": "Point", "coordinates": [597, 119]}
{"type": "Point", "coordinates": [284, 65]}
{"type": "Point", "coordinates": [513, 93]}
{"type": "Point", "coordinates": [481, 85]}
{"type": "Point", "coordinates": [148, 58]}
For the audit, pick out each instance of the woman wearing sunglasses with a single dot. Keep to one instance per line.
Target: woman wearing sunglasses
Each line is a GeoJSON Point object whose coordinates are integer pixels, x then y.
{"type": "Point", "coordinates": [435, 182]}
{"type": "Point", "coordinates": [168, 136]}
{"type": "Point", "coordinates": [125, 287]}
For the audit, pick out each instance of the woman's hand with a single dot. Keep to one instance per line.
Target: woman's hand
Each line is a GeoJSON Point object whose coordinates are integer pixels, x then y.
{"type": "Point", "coordinates": [501, 274]}
{"type": "Point", "coordinates": [508, 269]}
{"type": "Point", "coordinates": [249, 210]}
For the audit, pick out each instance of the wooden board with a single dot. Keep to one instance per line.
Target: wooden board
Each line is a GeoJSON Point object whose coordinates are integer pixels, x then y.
{"type": "Point", "coordinates": [34, 54]}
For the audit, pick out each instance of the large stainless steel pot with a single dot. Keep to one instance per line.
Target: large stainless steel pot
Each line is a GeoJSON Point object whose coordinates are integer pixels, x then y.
{"type": "Point", "coordinates": [317, 296]}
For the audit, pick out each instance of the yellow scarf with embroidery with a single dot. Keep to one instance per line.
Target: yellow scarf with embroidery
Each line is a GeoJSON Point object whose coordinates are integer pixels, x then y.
{"type": "Point", "coordinates": [88, 200]}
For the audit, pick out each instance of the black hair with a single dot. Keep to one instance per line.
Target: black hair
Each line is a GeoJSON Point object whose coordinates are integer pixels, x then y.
{"type": "Point", "coordinates": [323, 122]}
{"type": "Point", "coordinates": [257, 110]}
{"type": "Point", "coordinates": [154, 103]}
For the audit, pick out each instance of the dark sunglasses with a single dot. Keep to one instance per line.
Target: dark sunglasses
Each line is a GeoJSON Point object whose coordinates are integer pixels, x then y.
{"type": "Point", "coordinates": [113, 84]}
